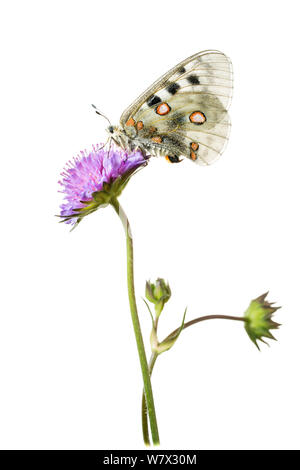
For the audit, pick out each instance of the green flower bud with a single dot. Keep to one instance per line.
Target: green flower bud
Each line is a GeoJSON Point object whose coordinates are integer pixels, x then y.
{"type": "Point", "coordinates": [258, 319]}
{"type": "Point", "coordinates": [158, 293]}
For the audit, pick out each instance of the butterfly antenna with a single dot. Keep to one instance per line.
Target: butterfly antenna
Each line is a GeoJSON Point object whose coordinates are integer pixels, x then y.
{"type": "Point", "coordinates": [101, 114]}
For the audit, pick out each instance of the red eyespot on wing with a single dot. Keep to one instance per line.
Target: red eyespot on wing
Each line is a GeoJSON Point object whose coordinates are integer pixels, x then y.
{"type": "Point", "coordinates": [139, 125]}
{"type": "Point", "coordinates": [162, 109]}
{"type": "Point", "coordinates": [193, 155]}
{"type": "Point", "coordinates": [197, 117]}
{"type": "Point", "coordinates": [130, 122]}
{"type": "Point", "coordinates": [157, 139]}
{"type": "Point", "coordinates": [194, 146]}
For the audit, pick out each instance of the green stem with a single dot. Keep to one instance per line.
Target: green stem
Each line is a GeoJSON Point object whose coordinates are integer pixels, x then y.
{"type": "Point", "coordinates": [144, 407]}
{"type": "Point", "coordinates": [155, 356]}
{"type": "Point", "coordinates": [136, 323]}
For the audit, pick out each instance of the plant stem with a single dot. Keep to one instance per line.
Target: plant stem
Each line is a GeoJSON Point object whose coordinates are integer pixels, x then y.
{"type": "Point", "coordinates": [136, 323]}
{"type": "Point", "coordinates": [144, 407]}
{"type": "Point", "coordinates": [206, 317]}
{"type": "Point", "coordinates": [155, 356]}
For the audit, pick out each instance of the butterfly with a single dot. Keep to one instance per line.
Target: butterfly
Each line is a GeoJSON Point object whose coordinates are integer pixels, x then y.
{"type": "Point", "coordinates": [183, 113]}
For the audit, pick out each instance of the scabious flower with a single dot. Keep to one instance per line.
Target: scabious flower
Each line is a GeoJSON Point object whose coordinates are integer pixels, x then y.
{"type": "Point", "coordinates": [93, 178]}
{"type": "Point", "coordinates": [259, 321]}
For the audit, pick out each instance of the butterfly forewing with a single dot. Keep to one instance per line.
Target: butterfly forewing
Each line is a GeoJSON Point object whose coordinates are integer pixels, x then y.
{"type": "Point", "coordinates": [185, 111]}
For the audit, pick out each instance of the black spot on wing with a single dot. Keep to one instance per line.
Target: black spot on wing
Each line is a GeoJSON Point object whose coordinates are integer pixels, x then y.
{"type": "Point", "coordinates": [193, 79]}
{"type": "Point", "coordinates": [153, 99]}
{"type": "Point", "coordinates": [181, 70]}
{"type": "Point", "coordinates": [173, 88]}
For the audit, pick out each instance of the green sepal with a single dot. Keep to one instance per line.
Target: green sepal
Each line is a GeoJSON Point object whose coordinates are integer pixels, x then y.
{"type": "Point", "coordinates": [149, 292]}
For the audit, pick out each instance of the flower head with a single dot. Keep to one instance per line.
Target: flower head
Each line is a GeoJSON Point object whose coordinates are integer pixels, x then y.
{"type": "Point", "coordinates": [93, 178]}
{"type": "Point", "coordinates": [259, 321]}
{"type": "Point", "coordinates": [158, 293]}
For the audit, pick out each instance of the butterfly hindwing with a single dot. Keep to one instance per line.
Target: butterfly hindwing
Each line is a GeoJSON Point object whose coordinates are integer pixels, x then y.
{"type": "Point", "coordinates": [185, 111]}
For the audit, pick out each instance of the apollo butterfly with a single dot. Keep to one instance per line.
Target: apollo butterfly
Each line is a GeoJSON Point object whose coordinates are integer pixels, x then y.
{"type": "Point", "coordinates": [184, 113]}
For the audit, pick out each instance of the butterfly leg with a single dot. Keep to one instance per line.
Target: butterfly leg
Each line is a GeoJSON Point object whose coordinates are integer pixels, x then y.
{"type": "Point", "coordinates": [173, 159]}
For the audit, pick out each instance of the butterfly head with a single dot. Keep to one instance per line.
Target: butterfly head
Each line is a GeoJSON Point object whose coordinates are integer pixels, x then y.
{"type": "Point", "coordinates": [111, 129]}
{"type": "Point", "coordinates": [118, 135]}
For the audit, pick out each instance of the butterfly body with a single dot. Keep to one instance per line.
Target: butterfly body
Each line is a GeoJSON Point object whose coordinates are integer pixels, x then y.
{"type": "Point", "coordinates": [184, 113]}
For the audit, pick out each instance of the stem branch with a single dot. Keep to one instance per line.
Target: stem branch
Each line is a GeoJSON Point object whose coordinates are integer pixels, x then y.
{"type": "Point", "coordinates": [206, 317]}
{"type": "Point", "coordinates": [155, 356]}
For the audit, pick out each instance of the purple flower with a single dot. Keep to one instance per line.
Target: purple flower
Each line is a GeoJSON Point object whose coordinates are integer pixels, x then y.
{"type": "Point", "coordinates": [92, 178]}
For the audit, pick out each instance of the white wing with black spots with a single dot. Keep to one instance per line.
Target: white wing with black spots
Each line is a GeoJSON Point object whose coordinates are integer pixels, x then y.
{"type": "Point", "coordinates": [184, 113]}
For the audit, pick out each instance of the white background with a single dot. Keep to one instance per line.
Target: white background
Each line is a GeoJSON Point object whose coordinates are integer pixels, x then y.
{"type": "Point", "coordinates": [221, 235]}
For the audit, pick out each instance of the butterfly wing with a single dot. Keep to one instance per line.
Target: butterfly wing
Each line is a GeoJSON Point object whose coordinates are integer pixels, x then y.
{"type": "Point", "coordinates": [185, 111]}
